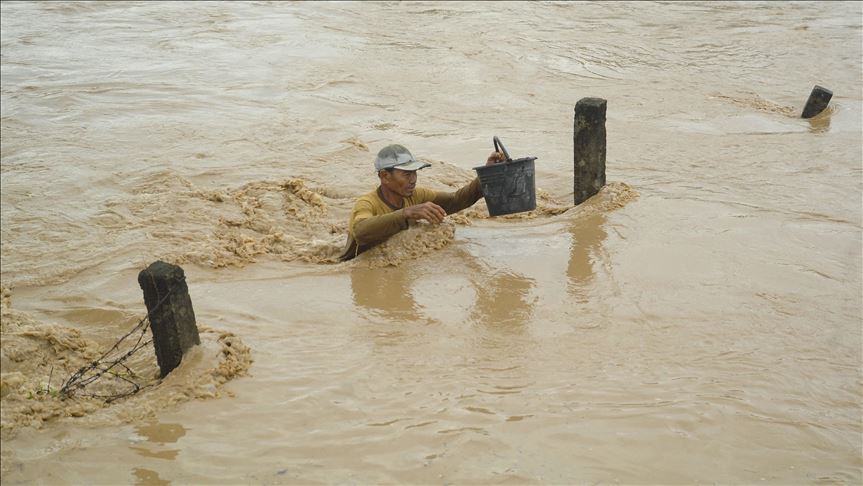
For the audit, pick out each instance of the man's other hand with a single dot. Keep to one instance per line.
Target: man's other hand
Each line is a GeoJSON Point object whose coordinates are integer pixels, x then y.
{"type": "Point", "coordinates": [428, 211]}
{"type": "Point", "coordinates": [495, 158]}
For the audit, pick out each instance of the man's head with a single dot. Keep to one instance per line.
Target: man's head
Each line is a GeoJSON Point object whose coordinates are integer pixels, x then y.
{"type": "Point", "coordinates": [397, 169]}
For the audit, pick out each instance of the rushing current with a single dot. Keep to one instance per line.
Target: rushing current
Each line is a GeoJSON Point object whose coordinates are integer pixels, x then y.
{"type": "Point", "coordinates": [697, 321]}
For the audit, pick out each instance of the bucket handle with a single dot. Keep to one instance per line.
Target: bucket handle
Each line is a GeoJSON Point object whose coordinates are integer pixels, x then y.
{"type": "Point", "coordinates": [498, 147]}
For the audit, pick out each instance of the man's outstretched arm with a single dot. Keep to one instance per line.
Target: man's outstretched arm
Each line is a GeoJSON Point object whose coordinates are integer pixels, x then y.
{"type": "Point", "coordinates": [453, 202]}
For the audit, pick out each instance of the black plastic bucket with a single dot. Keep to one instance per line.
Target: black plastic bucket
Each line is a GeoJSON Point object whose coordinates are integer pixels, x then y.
{"type": "Point", "coordinates": [508, 187]}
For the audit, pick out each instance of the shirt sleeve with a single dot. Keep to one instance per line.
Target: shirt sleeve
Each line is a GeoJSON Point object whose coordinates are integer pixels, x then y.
{"type": "Point", "coordinates": [369, 229]}
{"type": "Point", "coordinates": [453, 202]}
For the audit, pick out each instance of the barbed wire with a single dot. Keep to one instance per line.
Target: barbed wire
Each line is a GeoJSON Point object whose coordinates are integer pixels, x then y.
{"type": "Point", "coordinates": [94, 371]}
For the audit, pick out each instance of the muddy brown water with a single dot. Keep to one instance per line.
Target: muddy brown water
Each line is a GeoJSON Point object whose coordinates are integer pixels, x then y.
{"type": "Point", "coordinates": [698, 322]}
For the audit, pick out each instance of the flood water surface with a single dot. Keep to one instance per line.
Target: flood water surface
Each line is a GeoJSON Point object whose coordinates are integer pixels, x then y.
{"type": "Point", "coordinates": [697, 321]}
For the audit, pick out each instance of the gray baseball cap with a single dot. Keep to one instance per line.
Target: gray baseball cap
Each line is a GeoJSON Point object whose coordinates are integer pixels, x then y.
{"type": "Point", "coordinates": [397, 157]}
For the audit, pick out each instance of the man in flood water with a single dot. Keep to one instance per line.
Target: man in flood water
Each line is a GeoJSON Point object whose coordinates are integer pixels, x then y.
{"type": "Point", "coordinates": [397, 201]}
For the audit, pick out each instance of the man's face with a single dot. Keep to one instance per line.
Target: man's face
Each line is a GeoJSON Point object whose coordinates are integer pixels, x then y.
{"type": "Point", "coordinates": [401, 182]}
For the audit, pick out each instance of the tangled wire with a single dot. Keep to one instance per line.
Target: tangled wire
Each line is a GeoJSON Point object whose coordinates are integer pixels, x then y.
{"type": "Point", "coordinates": [113, 364]}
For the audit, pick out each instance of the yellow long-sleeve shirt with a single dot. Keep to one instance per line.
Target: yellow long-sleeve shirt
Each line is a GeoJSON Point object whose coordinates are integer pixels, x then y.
{"type": "Point", "coordinates": [373, 220]}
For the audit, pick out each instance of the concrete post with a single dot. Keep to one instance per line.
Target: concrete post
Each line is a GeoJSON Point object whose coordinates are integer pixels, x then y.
{"type": "Point", "coordinates": [172, 321]}
{"type": "Point", "coordinates": [588, 141]}
{"type": "Point", "coordinates": [817, 102]}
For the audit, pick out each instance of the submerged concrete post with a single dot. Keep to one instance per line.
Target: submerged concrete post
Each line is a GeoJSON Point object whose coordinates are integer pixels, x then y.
{"type": "Point", "coordinates": [588, 140]}
{"type": "Point", "coordinates": [172, 319]}
{"type": "Point", "coordinates": [818, 100]}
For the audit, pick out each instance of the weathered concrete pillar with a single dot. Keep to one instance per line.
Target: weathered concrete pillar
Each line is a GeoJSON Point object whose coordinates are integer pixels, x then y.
{"type": "Point", "coordinates": [172, 319]}
{"type": "Point", "coordinates": [588, 139]}
{"type": "Point", "coordinates": [817, 102]}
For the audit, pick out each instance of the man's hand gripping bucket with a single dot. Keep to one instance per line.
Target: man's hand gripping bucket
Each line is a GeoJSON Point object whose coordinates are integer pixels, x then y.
{"type": "Point", "coordinates": [508, 187]}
